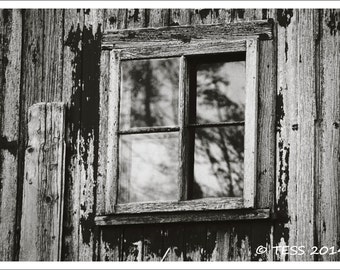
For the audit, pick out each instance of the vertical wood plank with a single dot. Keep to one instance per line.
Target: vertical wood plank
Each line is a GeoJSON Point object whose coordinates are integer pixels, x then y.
{"type": "Point", "coordinates": [229, 242]}
{"type": "Point", "coordinates": [10, 77]}
{"type": "Point", "coordinates": [158, 17]}
{"type": "Point", "coordinates": [41, 224]}
{"type": "Point", "coordinates": [180, 16]}
{"type": "Point", "coordinates": [206, 16]}
{"type": "Point", "coordinates": [195, 237]}
{"type": "Point", "coordinates": [327, 225]}
{"type": "Point", "coordinates": [153, 243]}
{"type": "Point", "coordinates": [133, 244]}
{"type": "Point", "coordinates": [115, 19]}
{"type": "Point", "coordinates": [111, 244]}
{"type": "Point", "coordinates": [113, 125]}
{"type": "Point", "coordinates": [72, 91]}
{"type": "Point", "coordinates": [173, 243]}
{"type": "Point", "coordinates": [136, 18]}
{"type": "Point", "coordinates": [266, 126]}
{"type": "Point", "coordinates": [53, 55]}
{"type": "Point", "coordinates": [250, 144]}
{"type": "Point", "coordinates": [104, 111]}
{"type": "Point", "coordinates": [296, 130]}
{"type": "Point", "coordinates": [91, 52]}
{"type": "Point", "coordinates": [31, 86]}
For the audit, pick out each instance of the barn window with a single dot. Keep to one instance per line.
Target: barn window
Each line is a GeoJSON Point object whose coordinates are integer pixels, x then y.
{"type": "Point", "coordinates": [182, 124]}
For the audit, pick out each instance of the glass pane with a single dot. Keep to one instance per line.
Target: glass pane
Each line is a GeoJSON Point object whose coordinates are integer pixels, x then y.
{"type": "Point", "coordinates": [149, 93]}
{"type": "Point", "coordinates": [220, 92]}
{"type": "Point", "coordinates": [218, 165]}
{"type": "Point", "coordinates": [148, 167]}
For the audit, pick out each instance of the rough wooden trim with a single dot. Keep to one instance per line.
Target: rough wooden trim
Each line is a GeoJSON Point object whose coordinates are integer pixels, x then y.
{"type": "Point", "coordinates": [175, 206]}
{"type": "Point", "coordinates": [138, 130]}
{"type": "Point", "coordinates": [183, 136]}
{"type": "Point", "coordinates": [113, 127]}
{"type": "Point", "coordinates": [217, 124]}
{"type": "Point", "coordinates": [117, 38]}
{"type": "Point", "coordinates": [250, 138]}
{"type": "Point", "coordinates": [43, 197]}
{"type": "Point", "coordinates": [10, 192]}
{"type": "Point", "coordinates": [145, 50]}
{"type": "Point", "coordinates": [147, 218]}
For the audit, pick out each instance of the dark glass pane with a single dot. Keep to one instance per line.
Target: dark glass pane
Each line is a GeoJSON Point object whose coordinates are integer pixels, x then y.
{"type": "Point", "coordinates": [218, 165]}
{"type": "Point", "coordinates": [220, 92]}
{"type": "Point", "coordinates": [149, 93]}
{"type": "Point", "coordinates": [148, 167]}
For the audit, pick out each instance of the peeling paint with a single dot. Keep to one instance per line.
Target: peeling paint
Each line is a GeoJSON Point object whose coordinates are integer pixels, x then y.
{"type": "Point", "coordinates": [203, 13]}
{"type": "Point", "coordinates": [279, 110]}
{"type": "Point", "coordinates": [281, 232]}
{"type": "Point", "coordinates": [286, 51]}
{"type": "Point", "coordinates": [333, 23]}
{"type": "Point", "coordinates": [83, 127]}
{"type": "Point", "coordinates": [10, 146]}
{"type": "Point", "coordinates": [284, 17]}
{"type": "Point", "coordinates": [135, 15]}
{"type": "Point", "coordinates": [112, 20]}
{"type": "Point", "coordinates": [240, 13]}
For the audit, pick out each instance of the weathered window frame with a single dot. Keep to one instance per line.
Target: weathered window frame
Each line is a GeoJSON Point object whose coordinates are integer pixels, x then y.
{"type": "Point", "coordinates": [182, 42]}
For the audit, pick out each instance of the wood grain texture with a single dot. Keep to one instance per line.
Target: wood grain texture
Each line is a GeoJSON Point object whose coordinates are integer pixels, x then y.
{"type": "Point", "coordinates": [89, 130]}
{"type": "Point", "coordinates": [265, 178]}
{"type": "Point", "coordinates": [251, 111]}
{"type": "Point", "coordinates": [133, 244]}
{"type": "Point", "coordinates": [103, 131]}
{"type": "Point", "coordinates": [41, 223]}
{"type": "Point", "coordinates": [328, 187]}
{"type": "Point", "coordinates": [45, 42]}
{"type": "Point", "coordinates": [153, 249]}
{"type": "Point", "coordinates": [180, 17]}
{"type": "Point", "coordinates": [296, 132]}
{"type": "Point", "coordinates": [53, 55]}
{"type": "Point", "coordinates": [229, 242]}
{"type": "Point", "coordinates": [10, 77]}
{"type": "Point", "coordinates": [72, 88]}
{"type": "Point", "coordinates": [113, 126]}
{"type": "Point", "coordinates": [173, 243]}
{"type": "Point", "coordinates": [189, 33]}
{"type": "Point", "coordinates": [175, 206]}
{"type": "Point", "coordinates": [158, 17]}
{"type": "Point", "coordinates": [149, 218]}
{"type": "Point", "coordinates": [183, 174]}
{"type": "Point", "coordinates": [111, 244]}
{"type": "Point", "coordinates": [145, 50]}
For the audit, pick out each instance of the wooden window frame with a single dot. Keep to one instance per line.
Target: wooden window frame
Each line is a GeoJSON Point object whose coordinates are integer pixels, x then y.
{"type": "Point", "coordinates": [169, 42]}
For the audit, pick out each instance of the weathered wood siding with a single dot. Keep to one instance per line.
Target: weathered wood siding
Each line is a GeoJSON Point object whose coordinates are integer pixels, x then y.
{"type": "Point", "coordinates": [43, 187]}
{"type": "Point", "coordinates": [55, 55]}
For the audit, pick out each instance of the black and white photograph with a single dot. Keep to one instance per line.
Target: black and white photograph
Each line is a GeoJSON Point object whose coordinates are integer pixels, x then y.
{"type": "Point", "coordinates": [169, 134]}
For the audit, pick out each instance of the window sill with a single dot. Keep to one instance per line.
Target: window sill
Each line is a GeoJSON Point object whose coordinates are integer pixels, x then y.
{"type": "Point", "coordinates": [177, 206]}
{"type": "Point", "coordinates": [192, 216]}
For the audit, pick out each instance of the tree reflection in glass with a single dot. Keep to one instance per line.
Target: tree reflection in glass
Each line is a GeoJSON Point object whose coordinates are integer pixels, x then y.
{"type": "Point", "coordinates": [148, 162]}
{"type": "Point", "coordinates": [219, 151]}
{"type": "Point", "coordinates": [148, 167]}
{"type": "Point", "coordinates": [149, 93]}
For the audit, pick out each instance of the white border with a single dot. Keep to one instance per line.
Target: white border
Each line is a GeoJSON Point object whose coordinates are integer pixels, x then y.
{"type": "Point", "coordinates": [170, 4]}
{"type": "Point", "coordinates": [170, 265]}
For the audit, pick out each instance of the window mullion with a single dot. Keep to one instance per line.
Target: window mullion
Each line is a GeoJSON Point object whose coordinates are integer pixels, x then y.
{"type": "Point", "coordinates": [111, 187]}
{"type": "Point", "coordinates": [183, 129]}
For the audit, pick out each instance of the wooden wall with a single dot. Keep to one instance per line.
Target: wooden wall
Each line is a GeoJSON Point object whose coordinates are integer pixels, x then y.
{"type": "Point", "coordinates": [55, 55]}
